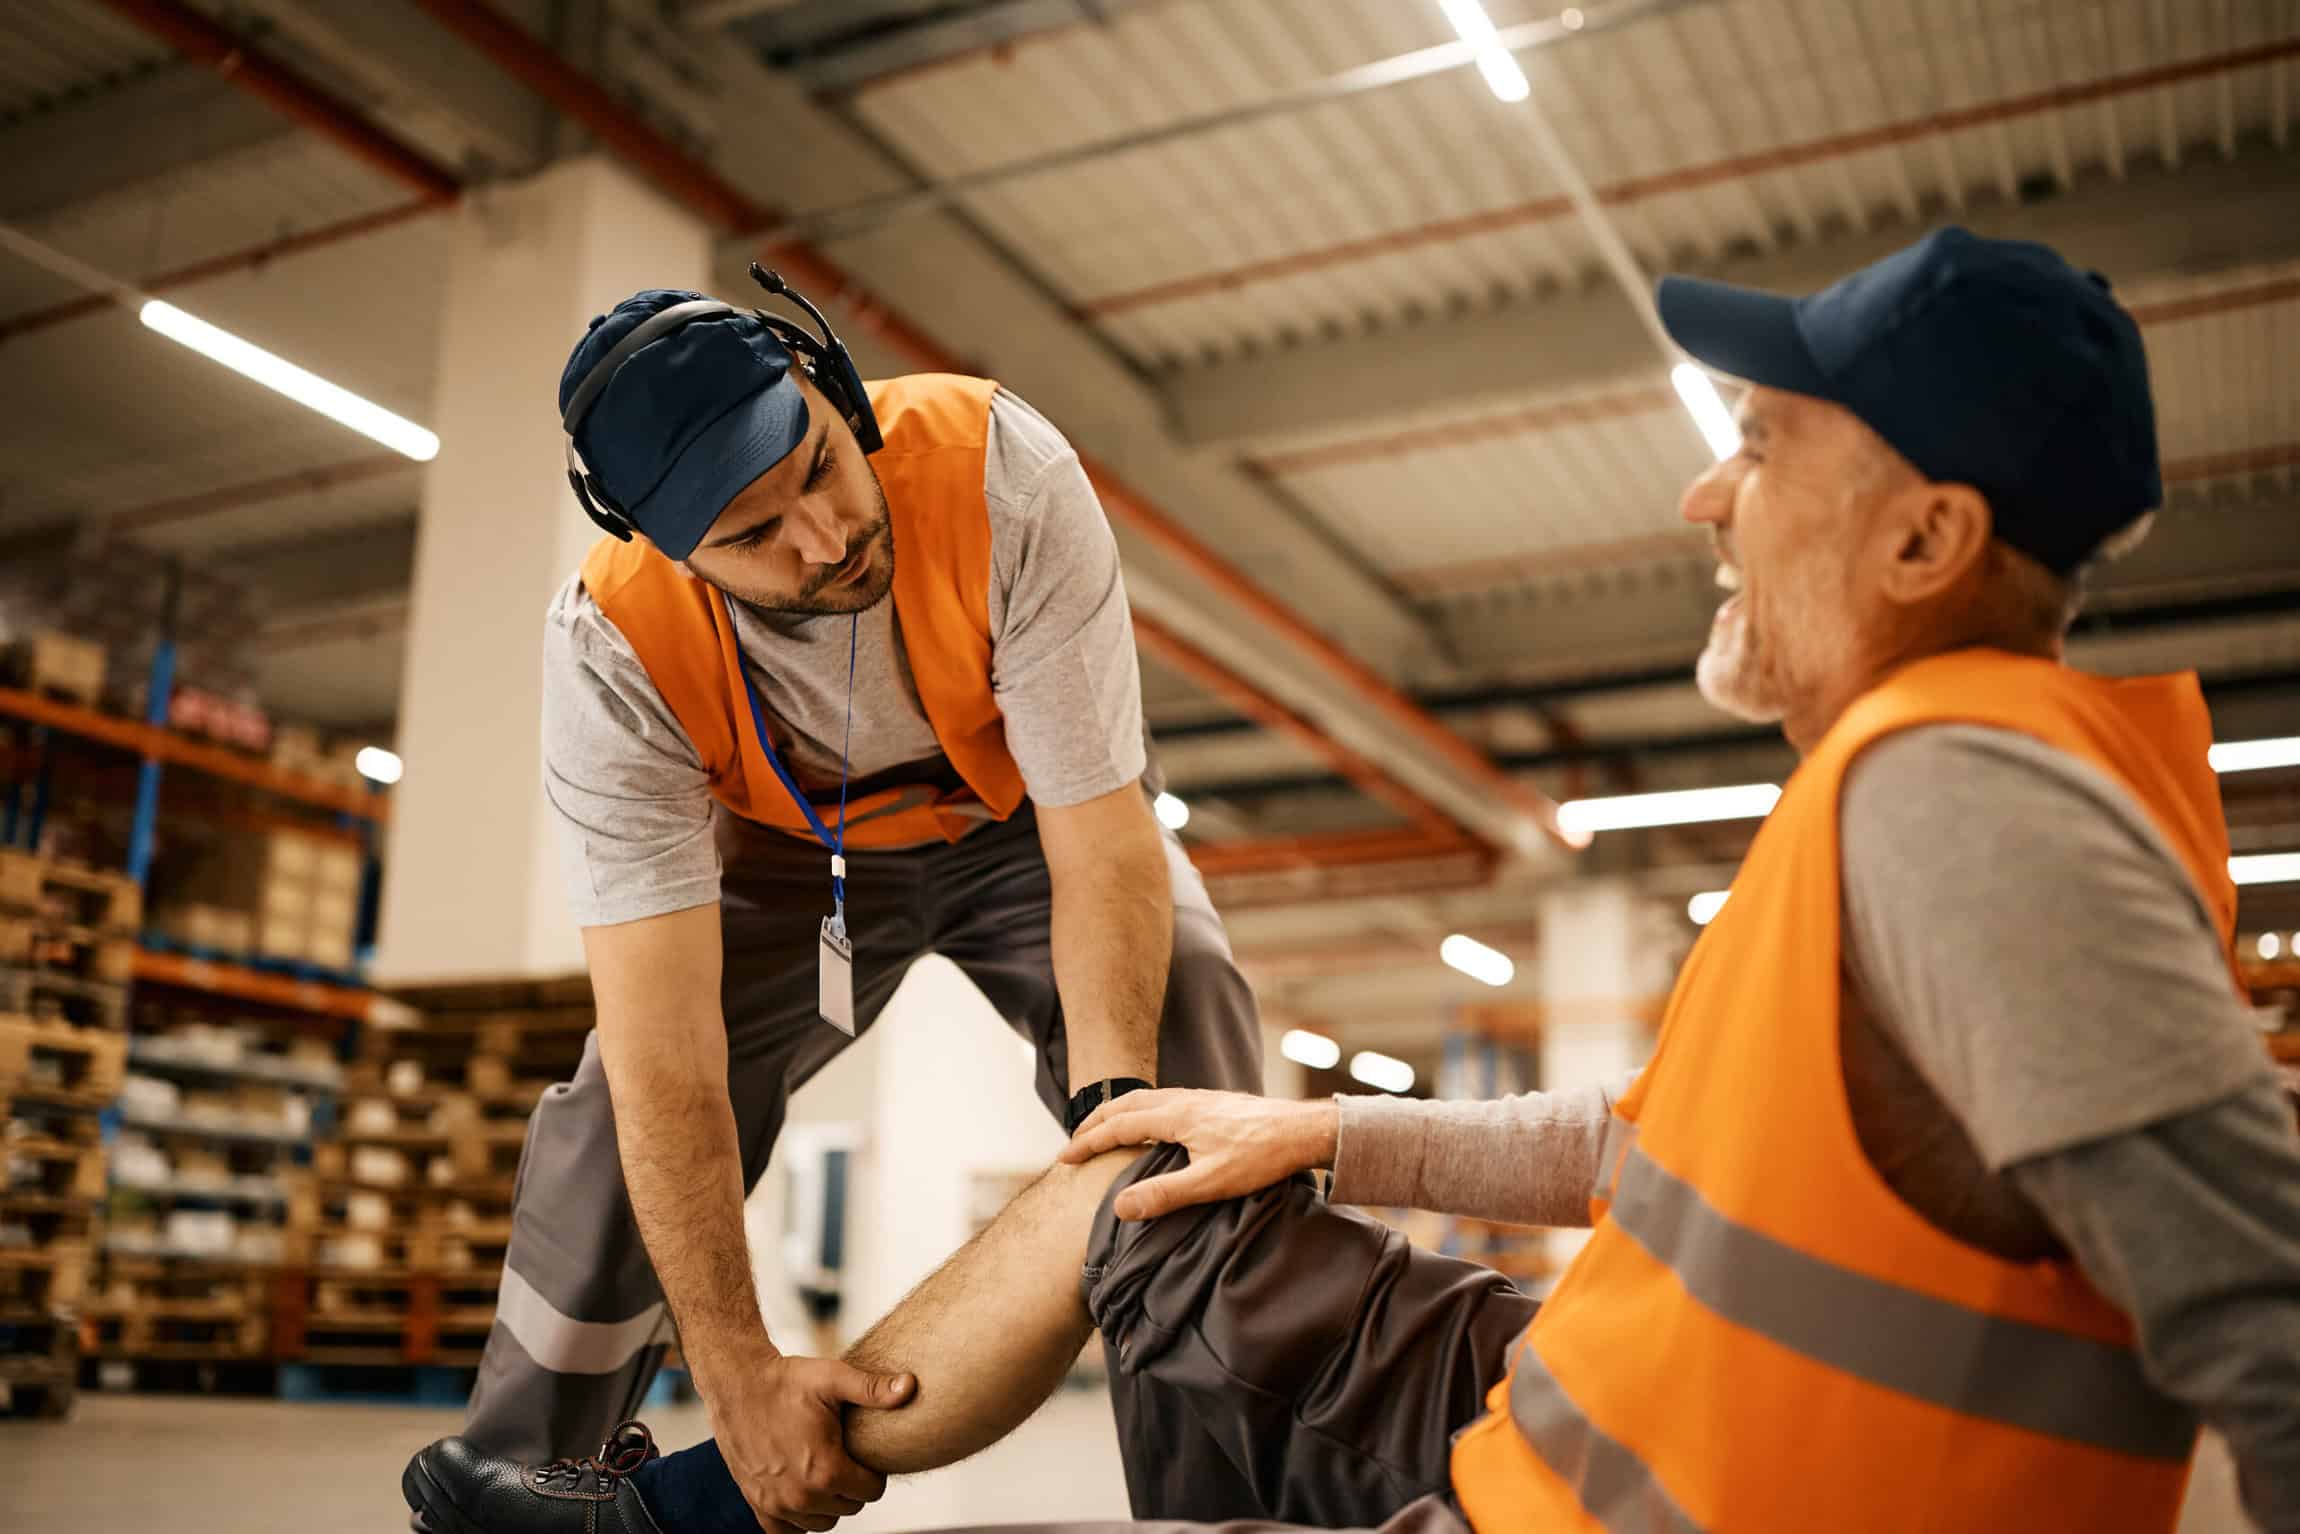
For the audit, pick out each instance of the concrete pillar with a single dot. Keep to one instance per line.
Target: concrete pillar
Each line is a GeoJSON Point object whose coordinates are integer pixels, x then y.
{"type": "Point", "coordinates": [1603, 960]}
{"type": "Point", "coordinates": [472, 876]}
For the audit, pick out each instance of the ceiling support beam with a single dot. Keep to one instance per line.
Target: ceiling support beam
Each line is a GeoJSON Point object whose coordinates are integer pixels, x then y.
{"type": "Point", "coordinates": [206, 42]}
{"type": "Point", "coordinates": [2211, 216]}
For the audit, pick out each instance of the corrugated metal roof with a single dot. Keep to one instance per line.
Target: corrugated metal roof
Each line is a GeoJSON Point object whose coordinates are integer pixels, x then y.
{"type": "Point", "coordinates": [57, 50]}
{"type": "Point", "coordinates": [292, 184]}
{"type": "Point", "coordinates": [1504, 496]}
{"type": "Point", "coordinates": [98, 415]}
{"type": "Point", "coordinates": [1719, 126]}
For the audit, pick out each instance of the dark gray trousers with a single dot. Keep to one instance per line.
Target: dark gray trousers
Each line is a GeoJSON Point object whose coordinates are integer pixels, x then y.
{"type": "Point", "coordinates": [580, 1327]}
{"type": "Point", "coordinates": [1278, 1361]}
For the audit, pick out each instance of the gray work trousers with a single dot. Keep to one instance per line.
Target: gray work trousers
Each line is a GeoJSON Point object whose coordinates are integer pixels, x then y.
{"type": "Point", "coordinates": [1276, 1362]}
{"type": "Point", "coordinates": [580, 1325]}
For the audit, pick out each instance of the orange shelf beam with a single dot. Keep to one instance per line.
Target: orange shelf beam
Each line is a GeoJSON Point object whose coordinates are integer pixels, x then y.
{"type": "Point", "coordinates": [181, 751]}
{"type": "Point", "coordinates": [243, 984]}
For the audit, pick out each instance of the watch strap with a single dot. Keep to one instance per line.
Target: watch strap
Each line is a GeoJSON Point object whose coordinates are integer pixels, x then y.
{"type": "Point", "coordinates": [1093, 1095]}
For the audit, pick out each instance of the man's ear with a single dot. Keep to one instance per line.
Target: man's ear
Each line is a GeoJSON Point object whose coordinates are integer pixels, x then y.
{"type": "Point", "coordinates": [1939, 534]}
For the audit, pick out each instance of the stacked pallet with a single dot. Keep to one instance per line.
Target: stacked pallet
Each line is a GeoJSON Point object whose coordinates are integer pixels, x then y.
{"type": "Point", "coordinates": [209, 1169]}
{"type": "Point", "coordinates": [289, 897]}
{"type": "Point", "coordinates": [66, 953]}
{"type": "Point", "coordinates": [409, 1213]}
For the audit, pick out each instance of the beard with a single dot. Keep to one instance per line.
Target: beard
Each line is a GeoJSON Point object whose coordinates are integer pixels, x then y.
{"type": "Point", "coordinates": [1735, 672]}
{"type": "Point", "coordinates": [826, 596]}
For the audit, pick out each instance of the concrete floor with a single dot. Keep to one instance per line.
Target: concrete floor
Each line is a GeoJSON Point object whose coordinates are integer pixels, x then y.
{"type": "Point", "coordinates": [195, 1465]}
{"type": "Point", "coordinates": [198, 1465]}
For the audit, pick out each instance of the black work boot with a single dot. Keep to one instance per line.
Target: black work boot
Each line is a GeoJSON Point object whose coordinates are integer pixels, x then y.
{"type": "Point", "coordinates": [453, 1488]}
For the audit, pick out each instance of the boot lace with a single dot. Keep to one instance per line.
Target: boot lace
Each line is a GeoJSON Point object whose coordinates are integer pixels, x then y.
{"type": "Point", "coordinates": [628, 1447]}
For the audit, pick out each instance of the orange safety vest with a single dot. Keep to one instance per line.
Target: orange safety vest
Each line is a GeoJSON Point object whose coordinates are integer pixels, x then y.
{"type": "Point", "coordinates": [935, 425]}
{"type": "Point", "coordinates": [1760, 1335]}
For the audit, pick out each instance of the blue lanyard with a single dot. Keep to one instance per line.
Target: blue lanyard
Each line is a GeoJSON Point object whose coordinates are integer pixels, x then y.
{"type": "Point", "coordinates": [837, 842]}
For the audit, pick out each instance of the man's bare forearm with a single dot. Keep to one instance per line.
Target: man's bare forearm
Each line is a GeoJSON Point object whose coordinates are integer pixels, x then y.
{"type": "Point", "coordinates": [1113, 936]}
{"type": "Point", "coordinates": [663, 1041]}
{"type": "Point", "coordinates": [682, 1165]}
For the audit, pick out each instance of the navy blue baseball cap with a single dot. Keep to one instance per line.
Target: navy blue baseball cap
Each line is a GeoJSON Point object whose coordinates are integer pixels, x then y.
{"type": "Point", "coordinates": [1989, 363]}
{"type": "Point", "coordinates": [687, 421]}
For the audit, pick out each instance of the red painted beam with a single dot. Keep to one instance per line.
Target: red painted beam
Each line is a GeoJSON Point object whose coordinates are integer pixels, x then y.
{"type": "Point", "coordinates": [247, 259]}
{"type": "Point", "coordinates": [198, 38]}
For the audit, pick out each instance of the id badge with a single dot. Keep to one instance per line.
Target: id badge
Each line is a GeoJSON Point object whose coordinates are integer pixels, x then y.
{"type": "Point", "coordinates": [835, 977]}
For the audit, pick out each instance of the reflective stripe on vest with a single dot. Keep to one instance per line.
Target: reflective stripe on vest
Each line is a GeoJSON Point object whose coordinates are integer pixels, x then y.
{"type": "Point", "coordinates": [1985, 1366]}
{"type": "Point", "coordinates": [1614, 1486]}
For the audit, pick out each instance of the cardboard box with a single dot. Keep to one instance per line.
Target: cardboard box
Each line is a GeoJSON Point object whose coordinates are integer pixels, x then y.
{"type": "Point", "coordinates": [56, 663]}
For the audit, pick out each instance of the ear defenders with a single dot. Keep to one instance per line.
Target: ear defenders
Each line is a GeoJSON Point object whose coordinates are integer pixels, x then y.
{"type": "Point", "coordinates": [822, 358]}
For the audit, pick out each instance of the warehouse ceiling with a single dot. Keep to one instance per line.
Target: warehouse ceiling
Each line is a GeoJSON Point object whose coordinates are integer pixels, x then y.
{"type": "Point", "coordinates": [1285, 268]}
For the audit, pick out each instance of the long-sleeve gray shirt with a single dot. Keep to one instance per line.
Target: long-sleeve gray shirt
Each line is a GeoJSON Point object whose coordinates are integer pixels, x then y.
{"type": "Point", "coordinates": [2044, 1058]}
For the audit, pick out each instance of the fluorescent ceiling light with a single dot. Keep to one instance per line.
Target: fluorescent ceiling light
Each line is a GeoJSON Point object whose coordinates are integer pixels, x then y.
{"type": "Point", "coordinates": [1682, 807]}
{"type": "Point", "coordinates": [2266, 868]}
{"type": "Point", "coordinates": [1703, 908]}
{"type": "Point", "coordinates": [1708, 409]}
{"type": "Point", "coordinates": [1477, 961]}
{"type": "Point", "coordinates": [1172, 813]}
{"type": "Point", "coordinates": [1475, 27]}
{"type": "Point", "coordinates": [2253, 755]}
{"type": "Point", "coordinates": [1383, 1071]}
{"type": "Point", "coordinates": [378, 765]}
{"type": "Point", "coordinates": [2270, 945]}
{"type": "Point", "coordinates": [1314, 1050]}
{"type": "Point", "coordinates": [282, 376]}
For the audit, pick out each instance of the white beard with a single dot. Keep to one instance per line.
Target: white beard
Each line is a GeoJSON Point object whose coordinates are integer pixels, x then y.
{"type": "Point", "coordinates": [1731, 672]}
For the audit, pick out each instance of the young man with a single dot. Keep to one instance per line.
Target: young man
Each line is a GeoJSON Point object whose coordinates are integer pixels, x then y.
{"type": "Point", "coordinates": [1958, 1189]}
{"type": "Point", "coordinates": [854, 680]}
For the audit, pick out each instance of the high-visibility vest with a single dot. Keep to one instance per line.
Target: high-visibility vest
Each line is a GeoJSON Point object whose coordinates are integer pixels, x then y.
{"type": "Point", "coordinates": [936, 426]}
{"type": "Point", "coordinates": [1760, 1337]}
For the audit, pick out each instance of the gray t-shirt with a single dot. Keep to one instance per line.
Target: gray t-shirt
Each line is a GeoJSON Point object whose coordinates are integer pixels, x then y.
{"type": "Point", "coordinates": [632, 800]}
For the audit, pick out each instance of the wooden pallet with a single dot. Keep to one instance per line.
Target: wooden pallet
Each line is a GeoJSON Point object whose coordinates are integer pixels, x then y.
{"type": "Point", "coordinates": [214, 1289]}
{"type": "Point", "coordinates": [73, 893]}
{"type": "Point", "coordinates": [175, 1331]}
{"type": "Point", "coordinates": [60, 997]}
{"type": "Point", "coordinates": [56, 1168]}
{"type": "Point", "coordinates": [57, 1062]}
{"type": "Point", "coordinates": [43, 1383]}
{"type": "Point", "coordinates": [44, 1278]}
{"type": "Point", "coordinates": [29, 943]}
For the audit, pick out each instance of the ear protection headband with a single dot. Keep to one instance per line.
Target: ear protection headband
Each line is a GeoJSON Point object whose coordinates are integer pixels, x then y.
{"type": "Point", "coordinates": [822, 358]}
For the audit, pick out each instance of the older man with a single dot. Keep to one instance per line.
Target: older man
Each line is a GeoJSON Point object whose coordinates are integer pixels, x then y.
{"type": "Point", "coordinates": [1958, 1189]}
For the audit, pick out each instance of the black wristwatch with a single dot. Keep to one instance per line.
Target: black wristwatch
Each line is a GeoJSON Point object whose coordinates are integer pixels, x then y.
{"type": "Point", "coordinates": [1086, 1099]}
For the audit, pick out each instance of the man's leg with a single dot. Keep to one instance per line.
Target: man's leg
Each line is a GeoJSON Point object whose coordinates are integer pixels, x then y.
{"type": "Point", "coordinates": [580, 1325]}
{"type": "Point", "coordinates": [993, 909]}
{"type": "Point", "coordinates": [1330, 1361]}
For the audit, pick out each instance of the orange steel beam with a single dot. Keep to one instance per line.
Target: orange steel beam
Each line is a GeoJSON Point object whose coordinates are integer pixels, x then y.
{"type": "Point", "coordinates": [2254, 460]}
{"type": "Point", "coordinates": [246, 259]}
{"type": "Point", "coordinates": [1694, 177]}
{"type": "Point", "coordinates": [1341, 849]}
{"type": "Point", "coordinates": [1275, 717]}
{"type": "Point", "coordinates": [1631, 402]}
{"type": "Point", "coordinates": [181, 750]}
{"type": "Point", "coordinates": [188, 508]}
{"type": "Point", "coordinates": [204, 41]}
{"type": "Point", "coordinates": [526, 59]}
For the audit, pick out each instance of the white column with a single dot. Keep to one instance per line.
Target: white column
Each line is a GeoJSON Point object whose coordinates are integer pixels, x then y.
{"type": "Point", "coordinates": [1602, 963]}
{"type": "Point", "coordinates": [472, 877]}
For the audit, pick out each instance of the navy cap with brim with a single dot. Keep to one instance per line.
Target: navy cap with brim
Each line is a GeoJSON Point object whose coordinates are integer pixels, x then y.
{"type": "Point", "coordinates": [1743, 332]}
{"type": "Point", "coordinates": [1988, 363]}
{"type": "Point", "coordinates": [722, 461]}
